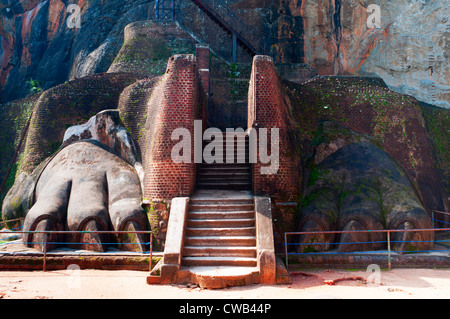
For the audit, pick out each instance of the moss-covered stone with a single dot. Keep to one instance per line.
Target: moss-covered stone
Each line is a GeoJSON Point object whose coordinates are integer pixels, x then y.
{"type": "Point", "coordinates": [148, 46]}
{"type": "Point", "coordinates": [391, 120]}
{"type": "Point", "coordinates": [355, 185]}
{"type": "Point", "coordinates": [438, 124]}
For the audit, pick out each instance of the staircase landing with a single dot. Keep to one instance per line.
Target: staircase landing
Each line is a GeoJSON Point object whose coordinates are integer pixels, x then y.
{"type": "Point", "coordinates": [216, 277]}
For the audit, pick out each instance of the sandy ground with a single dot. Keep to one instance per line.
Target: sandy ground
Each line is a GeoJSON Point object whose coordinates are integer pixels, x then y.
{"type": "Point", "coordinates": [98, 284]}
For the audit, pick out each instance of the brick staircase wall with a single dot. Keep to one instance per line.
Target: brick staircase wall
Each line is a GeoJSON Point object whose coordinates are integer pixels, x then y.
{"type": "Point", "coordinates": [267, 108]}
{"type": "Point", "coordinates": [176, 103]}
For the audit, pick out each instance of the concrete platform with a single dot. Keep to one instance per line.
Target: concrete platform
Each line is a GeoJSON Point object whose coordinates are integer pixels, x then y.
{"type": "Point", "coordinates": [217, 277]}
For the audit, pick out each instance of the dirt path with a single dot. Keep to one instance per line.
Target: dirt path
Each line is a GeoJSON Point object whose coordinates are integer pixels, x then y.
{"type": "Point", "coordinates": [83, 284]}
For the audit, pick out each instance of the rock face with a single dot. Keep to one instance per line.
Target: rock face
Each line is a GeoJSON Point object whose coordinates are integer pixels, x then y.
{"type": "Point", "coordinates": [354, 185]}
{"type": "Point", "coordinates": [38, 42]}
{"type": "Point", "coordinates": [408, 49]}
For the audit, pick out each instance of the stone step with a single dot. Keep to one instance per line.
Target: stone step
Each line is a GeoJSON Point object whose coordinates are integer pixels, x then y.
{"type": "Point", "coordinates": [228, 173]}
{"type": "Point", "coordinates": [233, 149]}
{"type": "Point", "coordinates": [240, 138]}
{"type": "Point", "coordinates": [237, 137]}
{"type": "Point", "coordinates": [221, 231]}
{"type": "Point", "coordinates": [224, 180]}
{"type": "Point", "coordinates": [224, 185]}
{"type": "Point", "coordinates": [241, 160]}
{"type": "Point", "coordinates": [220, 207]}
{"type": "Point", "coordinates": [225, 222]}
{"type": "Point", "coordinates": [220, 241]}
{"type": "Point", "coordinates": [219, 261]}
{"type": "Point", "coordinates": [219, 251]}
{"type": "Point", "coordinates": [226, 147]}
{"type": "Point", "coordinates": [222, 201]}
{"type": "Point", "coordinates": [221, 215]}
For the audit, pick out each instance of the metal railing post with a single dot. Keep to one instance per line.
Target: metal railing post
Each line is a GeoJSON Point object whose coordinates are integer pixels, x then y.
{"type": "Point", "coordinates": [432, 224]}
{"type": "Point", "coordinates": [45, 253]}
{"type": "Point", "coordinates": [286, 251]}
{"type": "Point", "coordinates": [151, 251]}
{"type": "Point", "coordinates": [389, 249]}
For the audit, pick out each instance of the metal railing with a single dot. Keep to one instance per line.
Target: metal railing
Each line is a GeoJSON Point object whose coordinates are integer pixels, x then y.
{"type": "Point", "coordinates": [13, 220]}
{"type": "Point", "coordinates": [388, 242]}
{"type": "Point", "coordinates": [45, 243]}
{"type": "Point", "coordinates": [235, 24]}
{"type": "Point", "coordinates": [437, 212]}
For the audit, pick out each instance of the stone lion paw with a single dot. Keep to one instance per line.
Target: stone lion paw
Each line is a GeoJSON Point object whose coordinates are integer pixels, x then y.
{"type": "Point", "coordinates": [90, 185]}
{"type": "Point", "coordinates": [355, 186]}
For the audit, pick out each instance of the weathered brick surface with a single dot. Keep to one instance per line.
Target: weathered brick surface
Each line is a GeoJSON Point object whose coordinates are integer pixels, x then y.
{"type": "Point", "coordinates": [365, 105]}
{"type": "Point", "coordinates": [438, 123]}
{"type": "Point", "coordinates": [152, 109]}
{"type": "Point", "coordinates": [268, 109]}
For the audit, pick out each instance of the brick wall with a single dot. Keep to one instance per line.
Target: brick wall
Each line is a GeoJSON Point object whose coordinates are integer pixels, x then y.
{"type": "Point", "coordinates": [178, 100]}
{"type": "Point", "coordinates": [365, 105]}
{"type": "Point", "coordinates": [267, 109]}
{"type": "Point", "coordinates": [151, 109]}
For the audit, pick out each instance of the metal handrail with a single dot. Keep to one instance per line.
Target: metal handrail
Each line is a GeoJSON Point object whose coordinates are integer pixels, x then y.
{"type": "Point", "coordinates": [239, 26]}
{"type": "Point", "coordinates": [49, 232]}
{"type": "Point", "coordinates": [437, 211]}
{"type": "Point", "coordinates": [11, 220]}
{"type": "Point", "coordinates": [387, 231]}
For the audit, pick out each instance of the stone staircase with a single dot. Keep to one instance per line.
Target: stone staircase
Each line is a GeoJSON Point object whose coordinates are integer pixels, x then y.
{"type": "Point", "coordinates": [225, 175]}
{"type": "Point", "coordinates": [222, 235]}
{"type": "Point", "coordinates": [220, 229]}
{"type": "Point", "coordinates": [220, 238]}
